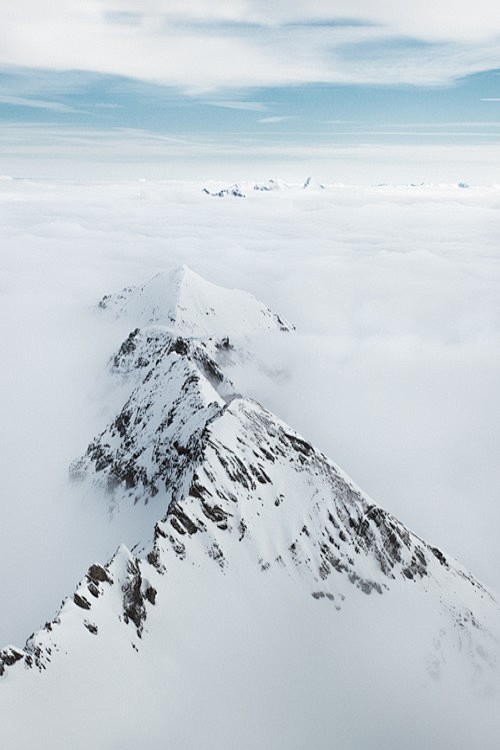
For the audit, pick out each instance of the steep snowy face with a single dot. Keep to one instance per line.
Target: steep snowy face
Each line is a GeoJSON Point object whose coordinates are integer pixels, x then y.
{"type": "Point", "coordinates": [193, 306]}
{"type": "Point", "coordinates": [177, 387]}
{"type": "Point", "coordinates": [183, 430]}
{"type": "Point", "coordinates": [258, 575]}
{"type": "Point", "coordinates": [239, 489]}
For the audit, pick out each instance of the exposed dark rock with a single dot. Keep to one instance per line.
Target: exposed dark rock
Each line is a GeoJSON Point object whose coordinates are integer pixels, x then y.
{"type": "Point", "coordinates": [9, 656]}
{"type": "Point", "coordinates": [215, 513]}
{"type": "Point", "coordinates": [198, 490]}
{"type": "Point", "coordinates": [177, 526]}
{"type": "Point", "coordinates": [127, 347]}
{"type": "Point", "coordinates": [154, 558]}
{"type": "Point", "coordinates": [81, 601]}
{"type": "Point", "coordinates": [242, 527]}
{"type": "Point", "coordinates": [210, 369]}
{"type": "Point", "coordinates": [216, 554]}
{"type": "Point", "coordinates": [180, 520]}
{"type": "Point", "coordinates": [123, 421]}
{"type": "Point", "coordinates": [93, 589]}
{"type": "Point", "coordinates": [300, 445]}
{"type": "Point", "coordinates": [159, 532]}
{"type": "Point", "coordinates": [178, 547]}
{"type": "Point", "coordinates": [260, 474]}
{"type": "Point", "coordinates": [98, 574]}
{"type": "Point", "coordinates": [133, 603]}
{"type": "Point", "coordinates": [439, 555]}
{"type": "Point", "coordinates": [224, 344]}
{"type": "Point", "coordinates": [180, 346]}
{"type": "Point", "coordinates": [323, 595]}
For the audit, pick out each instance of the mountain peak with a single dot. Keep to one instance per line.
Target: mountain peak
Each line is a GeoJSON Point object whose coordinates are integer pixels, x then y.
{"type": "Point", "coordinates": [187, 303]}
{"type": "Point", "coordinates": [181, 274]}
{"type": "Point", "coordinates": [240, 526]}
{"type": "Point", "coordinates": [233, 487]}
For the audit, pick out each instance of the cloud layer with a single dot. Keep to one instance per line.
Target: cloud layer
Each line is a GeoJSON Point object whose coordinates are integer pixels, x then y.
{"type": "Point", "coordinates": [204, 46]}
{"type": "Point", "coordinates": [393, 371]}
{"type": "Point", "coordinates": [31, 150]}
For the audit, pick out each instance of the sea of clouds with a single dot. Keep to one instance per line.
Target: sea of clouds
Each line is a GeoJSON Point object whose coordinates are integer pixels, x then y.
{"type": "Point", "coordinates": [393, 371]}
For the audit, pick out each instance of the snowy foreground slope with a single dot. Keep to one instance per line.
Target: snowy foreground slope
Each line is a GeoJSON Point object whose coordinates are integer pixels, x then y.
{"type": "Point", "coordinates": [270, 605]}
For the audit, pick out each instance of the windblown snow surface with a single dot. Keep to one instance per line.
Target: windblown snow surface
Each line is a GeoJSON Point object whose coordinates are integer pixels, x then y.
{"type": "Point", "coordinates": [261, 600]}
{"type": "Point", "coordinates": [188, 303]}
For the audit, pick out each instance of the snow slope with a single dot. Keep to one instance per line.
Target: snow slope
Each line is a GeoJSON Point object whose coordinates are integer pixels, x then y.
{"type": "Point", "coordinates": [185, 301]}
{"type": "Point", "coordinates": [268, 605]}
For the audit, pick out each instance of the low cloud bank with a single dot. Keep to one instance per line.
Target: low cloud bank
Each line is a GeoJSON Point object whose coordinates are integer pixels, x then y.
{"type": "Point", "coordinates": [393, 371]}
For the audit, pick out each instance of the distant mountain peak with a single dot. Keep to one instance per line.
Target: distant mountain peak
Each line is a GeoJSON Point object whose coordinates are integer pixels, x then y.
{"type": "Point", "coordinates": [270, 186]}
{"type": "Point", "coordinates": [312, 184]}
{"type": "Point", "coordinates": [187, 303]}
{"type": "Point", "coordinates": [233, 190]}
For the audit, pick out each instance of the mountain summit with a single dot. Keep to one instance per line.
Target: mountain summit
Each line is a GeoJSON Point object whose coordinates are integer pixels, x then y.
{"type": "Point", "coordinates": [183, 300]}
{"type": "Point", "coordinates": [267, 582]}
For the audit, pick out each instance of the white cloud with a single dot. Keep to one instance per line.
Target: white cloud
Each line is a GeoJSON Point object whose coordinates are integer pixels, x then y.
{"type": "Point", "coordinates": [203, 46]}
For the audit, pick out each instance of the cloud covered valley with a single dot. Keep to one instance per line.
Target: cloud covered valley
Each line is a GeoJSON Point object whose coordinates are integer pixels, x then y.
{"type": "Point", "coordinates": [392, 371]}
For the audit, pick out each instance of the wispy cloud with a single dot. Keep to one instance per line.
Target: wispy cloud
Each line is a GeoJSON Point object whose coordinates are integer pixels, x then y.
{"type": "Point", "coordinates": [235, 104]}
{"type": "Point", "coordinates": [490, 99]}
{"type": "Point", "coordinates": [276, 118]}
{"type": "Point", "coordinates": [29, 149]}
{"type": "Point", "coordinates": [21, 101]}
{"type": "Point", "coordinates": [107, 105]}
{"type": "Point", "coordinates": [447, 124]}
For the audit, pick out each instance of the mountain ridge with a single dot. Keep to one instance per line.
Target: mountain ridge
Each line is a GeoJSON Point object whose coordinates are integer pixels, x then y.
{"type": "Point", "coordinates": [260, 544]}
{"type": "Point", "coordinates": [225, 469]}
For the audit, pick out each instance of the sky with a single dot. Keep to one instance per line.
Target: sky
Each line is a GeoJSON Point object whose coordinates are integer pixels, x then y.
{"type": "Point", "coordinates": [165, 90]}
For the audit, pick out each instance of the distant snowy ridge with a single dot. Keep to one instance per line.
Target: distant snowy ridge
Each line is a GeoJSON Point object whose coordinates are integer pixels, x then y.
{"type": "Point", "coordinates": [311, 184]}
{"type": "Point", "coordinates": [187, 303]}
{"type": "Point", "coordinates": [272, 185]}
{"type": "Point", "coordinates": [244, 188]}
{"type": "Point", "coordinates": [233, 190]}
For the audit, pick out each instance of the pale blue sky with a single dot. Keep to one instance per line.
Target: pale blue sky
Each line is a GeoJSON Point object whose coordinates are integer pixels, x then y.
{"type": "Point", "coordinates": [126, 82]}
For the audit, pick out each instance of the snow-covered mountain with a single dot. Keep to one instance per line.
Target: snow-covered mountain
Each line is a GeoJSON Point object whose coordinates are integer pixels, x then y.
{"type": "Point", "coordinates": [270, 186]}
{"type": "Point", "coordinates": [188, 303]}
{"type": "Point", "coordinates": [233, 190]}
{"type": "Point", "coordinates": [260, 544]}
{"type": "Point", "coordinates": [226, 464]}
